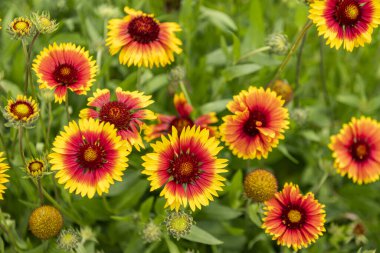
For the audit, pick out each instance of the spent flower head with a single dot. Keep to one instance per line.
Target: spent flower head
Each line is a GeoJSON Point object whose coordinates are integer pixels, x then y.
{"type": "Point", "coordinates": [20, 28]}
{"type": "Point", "coordinates": [87, 234]}
{"type": "Point", "coordinates": [260, 185]}
{"type": "Point", "coordinates": [151, 233]}
{"type": "Point", "coordinates": [43, 22]}
{"type": "Point", "coordinates": [68, 239]}
{"type": "Point", "coordinates": [178, 224]}
{"type": "Point", "coordinates": [278, 43]}
{"type": "Point", "coordinates": [45, 222]}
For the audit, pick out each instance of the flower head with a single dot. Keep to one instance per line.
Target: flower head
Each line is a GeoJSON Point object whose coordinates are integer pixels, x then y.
{"type": "Point", "coordinates": [260, 185]}
{"type": "Point", "coordinates": [151, 232]}
{"type": "Point", "coordinates": [188, 166]}
{"type": "Point", "coordinates": [257, 123]}
{"type": "Point", "coordinates": [20, 28]}
{"type": "Point", "coordinates": [21, 111]}
{"type": "Point", "coordinates": [3, 176]}
{"type": "Point", "coordinates": [127, 113]}
{"type": "Point", "coordinates": [179, 224]}
{"type": "Point", "coordinates": [345, 22]}
{"type": "Point", "coordinates": [142, 40]}
{"type": "Point", "coordinates": [356, 150]}
{"type": "Point", "coordinates": [278, 43]}
{"type": "Point", "coordinates": [45, 222]}
{"type": "Point", "coordinates": [35, 168]}
{"type": "Point", "coordinates": [293, 219]}
{"type": "Point", "coordinates": [182, 120]}
{"type": "Point", "coordinates": [43, 22]}
{"type": "Point", "coordinates": [283, 89]}
{"type": "Point", "coordinates": [68, 239]}
{"type": "Point", "coordinates": [89, 156]}
{"type": "Point", "coordinates": [65, 66]}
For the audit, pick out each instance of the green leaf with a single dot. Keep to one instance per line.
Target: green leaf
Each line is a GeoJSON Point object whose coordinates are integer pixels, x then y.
{"type": "Point", "coordinates": [156, 83]}
{"type": "Point", "coordinates": [348, 99]}
{"type": "Point", "coordinates": [219, 212]}
{"type": "Point", "coordinates": [240, 70]}
{"type": "Point", "coordinates": [171, 246]}
{"type": "Point", "coordinates": [199, 235]}
{"type": "Point", "coordinates": [215, 106]}
{"type": "Point", "coordinates": [219, 19]}
{"type": "Point", "coordinates": [145, 208]}
{"type": "Point", "coordinates": [282, 148]}
{"type": "Point", "coordinates": [10, 88]}
{"type": "Point", "coordinates": [253, 214]}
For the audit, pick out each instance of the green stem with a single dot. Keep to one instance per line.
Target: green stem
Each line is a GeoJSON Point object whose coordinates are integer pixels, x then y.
{"type": "Point", "coordinates": [316, 188]}
{"type": "Point", "coordinates": [40, 188]}
{"type": "Point", "coordinates": [30, 50]}
{"type": "Point", "coordinates": [20, 145]}
{"type": "Point", "coordinates": [184, 90]}
{"type": "Point", "coordinates": [47, 139]}
{"type": "Point", "coordinates": [253, 52]}
{"type": "Point", "coordinates": [25, 49]}
{"type": "Point", "coordinates": [291, 52]}
{"type": "Point", "coordinates": [67, 106]}
{"type": "Point", "coordinates": [298, 69]}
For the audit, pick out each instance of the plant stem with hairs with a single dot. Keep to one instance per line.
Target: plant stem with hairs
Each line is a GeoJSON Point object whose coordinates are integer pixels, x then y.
{"type": "Point", "coordinates": [67, 106]}
{"type": "Point", "coordinates": [184, 90]}
{"type": "Point", "coordinates": [20, 132]}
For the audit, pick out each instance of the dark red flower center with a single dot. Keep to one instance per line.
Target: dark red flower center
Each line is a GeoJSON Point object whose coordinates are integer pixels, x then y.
{"type": "Point", "coordinates": [21, 109]}
{"type": "Point", "coordinates": [116, 113]}
{"type": "Point", "coordinates": [360, 151]}
{"type": "Point", "coordinates": [91, 156]}
{"type": "Point", "coordinates": [293, 217]}
{"type": "Point", "coordinates": [144, 29]}
{"type": "Point", "coordinates": [35, 166]}
{"type": "Point", "coordinates": [65, 74]}
{"type": "Point", "coordinates": [347, 12]}
{"type": "Point", "coordinates": [256, 119]}
{"type": "Point", "coordinates": [185, 168]}
{"type": "Point", "coordinates": [181, 123]}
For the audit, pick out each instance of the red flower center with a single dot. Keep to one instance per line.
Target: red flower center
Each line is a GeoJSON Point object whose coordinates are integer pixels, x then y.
{"type": "Point", "coordinates": [116, 113]}
{"type": "Point", "coordinates": [21, 109]}
{"type": "Point", "coordinates": [35, 166]}
{"type": "Point", "coordinates": [144, 29]}
{"type": "Point", "coordinates": [347, 12]}
{"type": "Point", "coordinates": [360, 151]}
{"type": "Point", "coordinates": [256, 119]}
{"type": "Point", "coordinates": [184, 169]}
{"type": "Point", "coordinates": [65, 74]}
{"type": "Point", "coordinates": [91, 156]}
{"type": "Point", "coordinates": [293, 217]}
{"type": "Point", "coordinates": [181, 123]}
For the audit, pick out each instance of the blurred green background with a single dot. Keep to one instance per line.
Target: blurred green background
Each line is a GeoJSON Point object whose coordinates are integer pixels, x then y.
{"type": "Point", "coordinates": [331, 87]}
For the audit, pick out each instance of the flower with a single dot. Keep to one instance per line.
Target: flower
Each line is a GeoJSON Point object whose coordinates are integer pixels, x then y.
{"type": "Point", "coordinates": [35, 168]}
{"type": "Point", "coordinates": [43, 22]}
{"type": "Point", "coordinates": [127, 113]}
{"type": "Point", "coordinates": [278, 43]}
{"type": "Point", "coordinates": [89, 156]}
{"type": "Point", "coordinates": [3, 176]}
{"type": "Point", "coordinates": [142, 40]}
{"type": "Point", "coordinates": [260, 185]}
{"type": "Point", "coordinates": [68, 239]}
{"type": "Point", "coordinates": [356, 150]}
{"type": "Point", "coordinates": [65, 66]}
{"type": "Point", "coordinates": [345, 22]}
{"type": "Point", "coordinates": [20, 27]}
{"type": "Point", "coordinates": [178, 224]}
{"type": "Point", "coordinates": [283, 89]}
{"type": "Point", "coordinates": [181, 120]}
{"type": "Point", "coordinates": [151, 233]}
{"type": "Point", "coordinates": [21, 111]}
{"type": "Point", "coordinates": [257, 123]}
{"type": "Point", "coordinates": [293, 219]}
{"type": "Point", "coordinates": [45, 222]}
{"type": "Point", "coordinates": [188, 166]}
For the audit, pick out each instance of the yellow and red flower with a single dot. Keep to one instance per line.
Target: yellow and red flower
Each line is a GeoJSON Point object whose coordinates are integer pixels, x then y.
{"type": "Point", "coordinates": [256, 126]}
{"type": "Point", "coordinates": [89, 156]}
{"type": "Point", "coordinates": [126, 113]}
{"type": "Point", "coordinates": [188, 166]}
{"type": "Point", "coordinates": [293, 219]}
{"type": "Point", "coordinates": [356, 150]}
{"type": "Point", "coordinates": [65, 66]}
{"type": "Point", "coordinates": [142, 40]}
{"type": "Point", "coordinates": [22, 111]}
{"type": "Point", "coordinates": [181, 121]}
{"type": "Point", "coordinates": [346, 22]}
{"type": "Point", "coordinates": [3, 175]}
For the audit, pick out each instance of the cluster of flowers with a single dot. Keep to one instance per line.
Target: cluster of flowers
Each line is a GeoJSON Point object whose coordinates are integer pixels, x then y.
{"type": "Point", "coordinates": [92, 152]}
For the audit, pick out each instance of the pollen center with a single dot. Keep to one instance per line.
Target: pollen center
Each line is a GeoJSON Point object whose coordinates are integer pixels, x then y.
{"type": "Point", "coordinates": [90, 154]}
{"type": "Point", "coordinates": [179, 224]}
{"type": "Point", "coordinates": [359, 151]}
{"type": "Point", "coordinates": [294, 216]}
{"type": "Point", "coordinates": [256, 119]}
{"type": "Point", "coordinates": [144, 29]}
{"type": "Point", "coordinates": [21, 109]}
{"type": "Point", "coordinates": [21, 25]}
{"type": "Point", "coordinates": [116, 113]}
{"type": "Point", "coordinates": [65, 74]}
{"type": "Point", "coordinates": [184, 168]}
{"type": "Point", "coordinates": [347, 12]}
{"type": "Point", "coordinates": [36, 166]}
{"type": "Point", "coordinates": [45, 21]}
{"type": "Point", "coordinates": [181, 123]}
